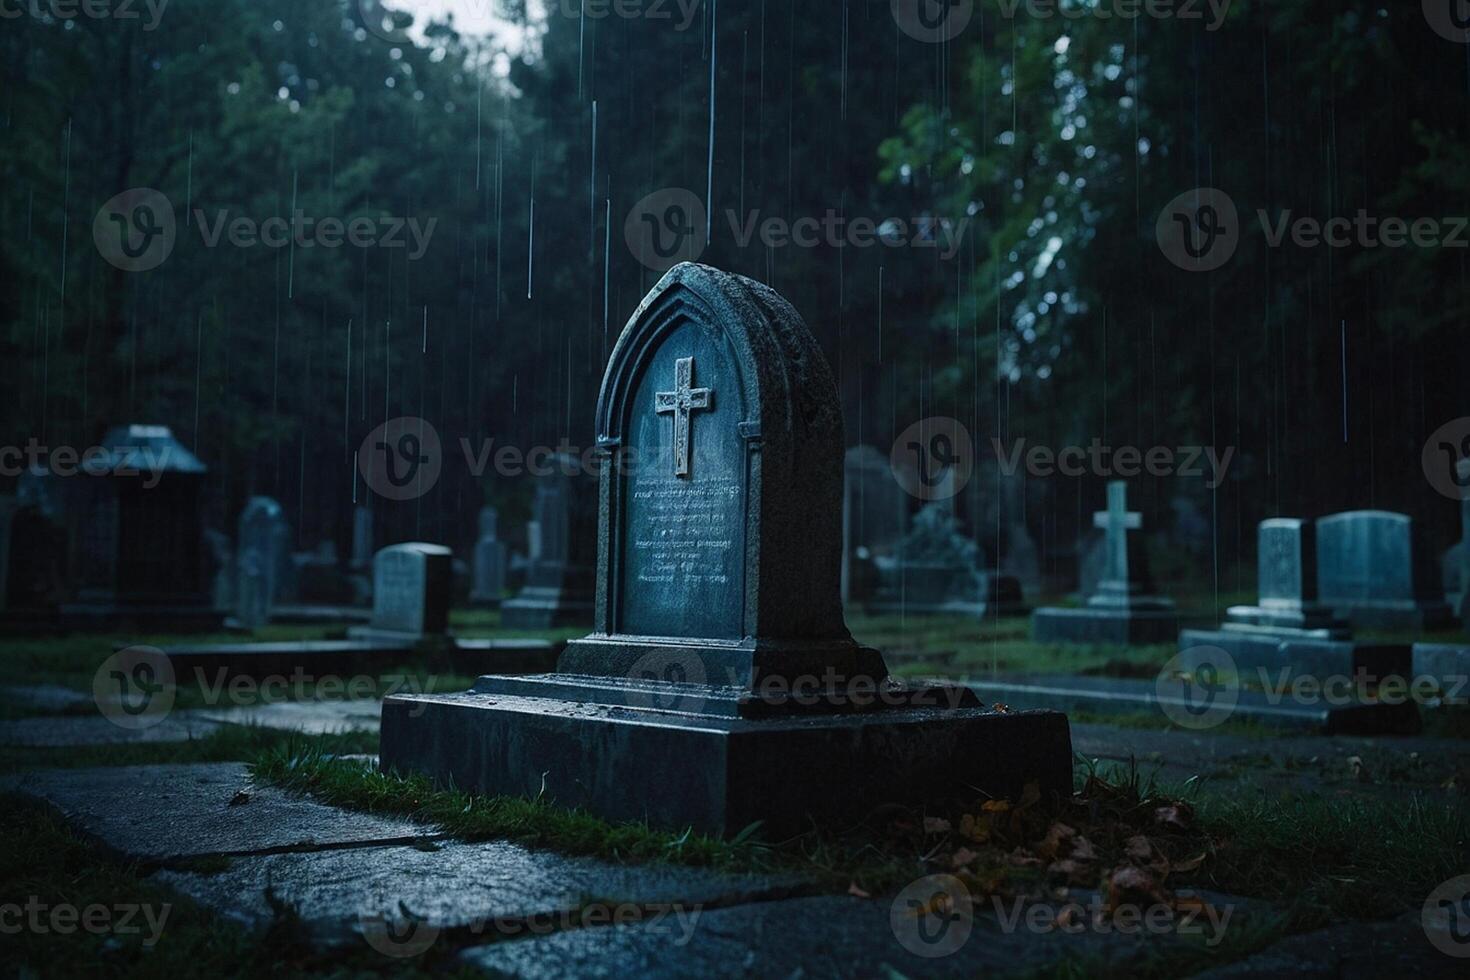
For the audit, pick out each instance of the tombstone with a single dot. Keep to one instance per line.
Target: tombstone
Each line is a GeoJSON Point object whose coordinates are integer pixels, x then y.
{"type": "Point", "coordinates": [938, 572]}
{"type": "Point", "coordinates": [8, 507]}
{"type": "Point", "coordinates": [1123, 609]}
{"type": "Point", "coordinates": [533, 541]}
{"type": "Point", "coordinates": [1373, 572]}
{"type": "Point", "coordinates": [996, 505]}
{"type": "Point", "coordinates": [1288, 608]}
{"type": "Point", "coordinates": [362, 538]}
{"type": "Point", "coordinates": [490, 562]}
{"type": "Point", "coordinates": [263, 554]}
{"type": "Point", "coordinates": [559, 589]}
{"type": "Point", "coordinates": [411, 594]}
{"type": "Point", "coordinates": [133, 520]}
{"type": "Point", "coordinates": [719, 686]}
{"type": "Point", "coordinates": [222, 558]}
{"type": "Point", "coordinates": [874, 513]}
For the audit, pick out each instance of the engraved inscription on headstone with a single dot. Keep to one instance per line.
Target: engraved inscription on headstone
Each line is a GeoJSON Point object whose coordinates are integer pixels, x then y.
{"type": "Point", "coordinates": [683, 539]}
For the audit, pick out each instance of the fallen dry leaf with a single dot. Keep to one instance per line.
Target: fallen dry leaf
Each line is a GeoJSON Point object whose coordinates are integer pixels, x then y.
{"type": "Point", "coordinates": [857, 892]}
{"type": "Point", "coordinates": [1177, 815]}
{"type": "Point", "coordinates": [962, 857]}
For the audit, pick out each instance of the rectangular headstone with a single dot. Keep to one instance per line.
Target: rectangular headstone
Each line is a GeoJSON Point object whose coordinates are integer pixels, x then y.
{"type": "Point", "coordinates": [411, 589]}
{"type": "Point", "coordinates": [262, 560]}
{"type": "Point", "coordinates": [1372, 571]}
{"type": "Point", "coordinates": [491, 560]}
{"type": "Point", "coordinates": [1287, 562]}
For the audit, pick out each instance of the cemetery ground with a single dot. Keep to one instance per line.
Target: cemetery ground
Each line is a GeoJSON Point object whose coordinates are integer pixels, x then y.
{"type": "Point", "coordinates": [1265, 850]}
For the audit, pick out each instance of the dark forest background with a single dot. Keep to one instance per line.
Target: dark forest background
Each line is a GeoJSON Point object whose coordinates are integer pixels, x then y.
{"type": "Point", "coordinates": [1059, 321]}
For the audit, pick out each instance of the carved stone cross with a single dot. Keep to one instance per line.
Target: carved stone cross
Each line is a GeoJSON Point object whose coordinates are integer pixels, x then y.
{"type": "Point", "coordinates": [680, 403]}
{"type": "Point", "coordinates": [1116, 522]}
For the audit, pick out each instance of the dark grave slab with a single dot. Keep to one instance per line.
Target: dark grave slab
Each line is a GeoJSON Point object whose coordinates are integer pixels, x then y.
{"type": "Point", "coordinates": [1128, 696]}
{"type": "Point", "coordinates": [1123, 610]}
{"type": "Point", "coordinates": [412, 594]}
{"type": "Point", "coordinates": [559, 588]}
{"type": "Point", "coordinates": [1447, 666]}
{"type": "Point", "coordinates": [937, 573]}
{"type": "Point", "coordinates": [492, 560]}
{"type": "Point", "coordinates": [1374, 572]}
{"type": "Point", "coordinates": [1259, 661]}
{"type": "Point", "coordinates": [48, 698]}
{"type": "Point", "coordinates": [719, 644]}
{"type": "Point", "coordinates": [167, 814]}
{"type": "Point", "coordinates": [315, 614]}
{"type": "Point", "coordinates": [483, 891]}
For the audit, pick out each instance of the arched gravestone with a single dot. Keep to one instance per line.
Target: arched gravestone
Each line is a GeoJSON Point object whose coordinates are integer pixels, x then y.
{"type": "Point", "coordinates": [720, 685]}
{"type": "Point", "coordinates": [720, 507]}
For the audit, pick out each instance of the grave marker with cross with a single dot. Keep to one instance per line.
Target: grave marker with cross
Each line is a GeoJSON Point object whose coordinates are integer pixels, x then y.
{"type": "Point", "coordinates": [681, 403]}
{"type": "Point", "coordinates": [1116, 522]}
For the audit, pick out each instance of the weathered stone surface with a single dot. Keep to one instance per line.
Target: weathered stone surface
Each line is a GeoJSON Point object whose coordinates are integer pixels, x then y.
{"type": "Point", "coordinates": [61, 731]}
{"type": "Point", "coordinates": [938, 572]}
{"type": "Point", "coordinates": [161, 814]}
{"type": "Point", "coordinates": [1373, 571]}
{"type": "Point", "coordinates": [412, 593]}
{"type": "Point", "coordinates": [874, 517]}
{"type": "Point", "coordinates": [1267, 656]}
{"type": "Point", "coordinates": [824, 937]}
{"type": "Point", "coordinates": [1447, 666]}
{"type": "Point", "coordinates": [474, 890]}
{"type": "Point", "coordinates": [1287, 560]}
{"type": "Point", "coordinates": [492, 560]}
{"type": "Point", "coordinates": [310, 717]}
{"type": "Point", "coordinates": [263, 560]}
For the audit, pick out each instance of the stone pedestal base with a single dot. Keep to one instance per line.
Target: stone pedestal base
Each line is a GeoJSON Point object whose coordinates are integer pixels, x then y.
{"type": "Point", "coordinates": [977, 610]}
{"type": "Point", "coordinates": [717, 759]}
{"type": "Point", "coordinates": [1099, 624]}
{"type": "Point", "coordinates": [1447, 666]}
{"type": "Point", "coordinates": [1264, 660]}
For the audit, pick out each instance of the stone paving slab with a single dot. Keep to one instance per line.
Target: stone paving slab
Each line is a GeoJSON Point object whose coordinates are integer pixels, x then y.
{"type": "Point", "coordinates": [482, 890]}
{"type": "Point", "coordinates": [68, 730]}
{"type": "Point", "coordinates": [811, 938]}
{"type": "Point", "coordinates": [309, 717]}
{"type": "Point", "coordinates": [163, 814]}
{"type": "Point", "coordinates": [1350, 951]}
